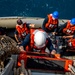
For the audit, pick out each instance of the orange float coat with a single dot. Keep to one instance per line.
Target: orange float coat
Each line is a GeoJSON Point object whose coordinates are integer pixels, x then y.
{"type": "Point", "coordinates": [51, 24]}
{"type": "Point", "coordinates": [22, 32]}
{"type": "Point", "coordinates": [71, 43]}
{"type": "Point", "coordinates": [70, 29]}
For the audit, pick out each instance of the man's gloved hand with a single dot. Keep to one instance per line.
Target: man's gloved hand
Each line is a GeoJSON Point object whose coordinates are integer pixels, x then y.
{"type": "Point", "coordinates": [32, 25]}
{"type": "Point", "coordinates": [64, 37]}
{"type": "Point", "coordinates": [53, 52]}
{"type": "Point", "coordinates": [21, 48]}
{"type": "Point", "coordinates": [54, 33]}
{"type": "Point", "coordinates": [19, 43]}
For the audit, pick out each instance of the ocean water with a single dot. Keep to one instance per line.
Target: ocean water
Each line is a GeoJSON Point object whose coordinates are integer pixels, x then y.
{"type": "Point", "coordinates": [37, 8]}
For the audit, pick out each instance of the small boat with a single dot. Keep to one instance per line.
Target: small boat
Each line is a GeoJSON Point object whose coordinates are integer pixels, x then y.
{"type": "Point", "coordinates": [8, 46]}
{"type": "Point", "coordinates": [10, 22]}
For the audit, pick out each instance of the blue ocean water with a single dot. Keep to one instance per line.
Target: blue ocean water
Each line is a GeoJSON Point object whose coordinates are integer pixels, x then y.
{"type": "Point", "coordinates": [37, 8]}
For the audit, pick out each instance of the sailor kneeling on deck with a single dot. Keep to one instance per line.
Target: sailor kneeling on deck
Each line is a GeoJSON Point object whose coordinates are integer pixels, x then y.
{"type": "Point", "coordinates": [68, 33]}
{"type": "Point", "coordinates": [38, 41]}
{"type": "Point", "coordinates": [22, 29]}
{"type": "Point", "coordinates": [50, 23]}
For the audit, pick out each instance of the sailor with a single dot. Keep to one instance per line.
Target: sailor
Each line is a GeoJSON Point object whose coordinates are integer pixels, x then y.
{"type": "Point", "coordinates": [50, 23]}
{"type": "Point", "coordinates": [22, 29]}
{"type": "Point", "coordinates": [68, 28]}
{"type": "Point", "coordinates": [37, 40]}
{"type": "Point", "coordinates": [68, 31]}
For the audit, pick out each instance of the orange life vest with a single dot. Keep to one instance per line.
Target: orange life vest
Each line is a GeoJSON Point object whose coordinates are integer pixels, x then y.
{"type": "Point", "coordinates": [69, 30]}
{"type": "Point", "coordinates": [22, 32]}
{"type": "Point", "coordinates": [71, 43]}
{"type": "Point", "coordinates": [32, 45]}
{"type": "Point", "coordinates": [52, 24]}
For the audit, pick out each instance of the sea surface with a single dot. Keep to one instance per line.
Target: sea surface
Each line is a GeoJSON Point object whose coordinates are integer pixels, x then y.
{"type": "Point", "coordinates": [37, 8]}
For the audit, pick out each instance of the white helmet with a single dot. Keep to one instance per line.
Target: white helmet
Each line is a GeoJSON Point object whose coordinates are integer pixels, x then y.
{"type": "Point", "coordinates": [39, 38]}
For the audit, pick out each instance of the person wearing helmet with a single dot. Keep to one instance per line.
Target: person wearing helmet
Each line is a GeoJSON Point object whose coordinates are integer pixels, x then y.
{"type": "Point", "coordinates": [22, 29]}
{"type": "Point", "coordinates": [68, 32]}
{"type": "Point", "coordinates": [68, 28]}
{"type": "Point", "coordinates": [50, 23]}
{"type": "Point", "coordinates": [37, 41]}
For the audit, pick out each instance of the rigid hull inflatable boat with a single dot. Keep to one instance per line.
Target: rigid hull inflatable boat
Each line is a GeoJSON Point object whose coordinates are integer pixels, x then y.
{"type": "Point", "coordinates": [11, 54]}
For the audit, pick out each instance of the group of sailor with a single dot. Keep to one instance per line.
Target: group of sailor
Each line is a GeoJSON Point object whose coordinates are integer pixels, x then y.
{"type": "Point", "coordinates": [37, 40]}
